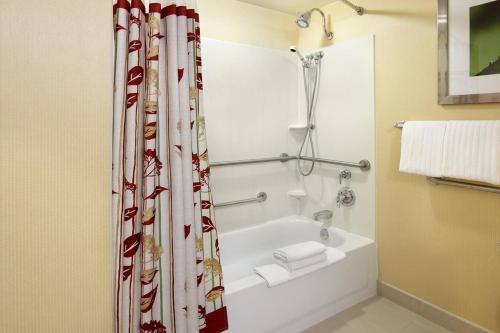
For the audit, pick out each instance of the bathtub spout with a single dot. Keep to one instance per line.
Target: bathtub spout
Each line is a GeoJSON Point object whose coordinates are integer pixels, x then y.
{"type": "Point", "coordinates": [324, 216]}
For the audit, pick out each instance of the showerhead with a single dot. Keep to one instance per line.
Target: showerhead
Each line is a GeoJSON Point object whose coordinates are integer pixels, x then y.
{"type": "Point", "coordinates": [294, 49]}
{"type": "Point", "coordinates": [303, 20]}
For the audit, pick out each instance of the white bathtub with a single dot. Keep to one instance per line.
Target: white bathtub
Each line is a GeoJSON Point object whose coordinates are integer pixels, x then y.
{"type": "Point", "coordinates": [300, 303]}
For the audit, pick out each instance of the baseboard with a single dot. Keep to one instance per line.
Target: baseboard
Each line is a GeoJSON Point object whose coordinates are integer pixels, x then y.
{"type": "Point", "coordinates": [429, 311]}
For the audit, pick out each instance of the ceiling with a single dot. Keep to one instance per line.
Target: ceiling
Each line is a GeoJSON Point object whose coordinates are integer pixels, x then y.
{"type": "Point", "coordinates": [289, 6]}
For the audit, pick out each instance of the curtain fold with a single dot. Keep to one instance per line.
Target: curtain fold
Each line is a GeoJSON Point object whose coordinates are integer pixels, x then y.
{"type": "Point", "coordinates": [168, 276]}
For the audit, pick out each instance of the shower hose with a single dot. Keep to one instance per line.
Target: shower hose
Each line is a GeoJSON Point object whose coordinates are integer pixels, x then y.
{"type": "Point", "coordinates": [311, 71]}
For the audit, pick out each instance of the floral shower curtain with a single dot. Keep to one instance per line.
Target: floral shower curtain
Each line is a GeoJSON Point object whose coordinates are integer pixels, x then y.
{"type": "Point", "coordinates": [168, 275]}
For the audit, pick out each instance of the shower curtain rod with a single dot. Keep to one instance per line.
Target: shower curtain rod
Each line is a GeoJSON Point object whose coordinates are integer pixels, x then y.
{"type": "Point", "coordinates": [363, 164]}
{"type": "Point", "coordinates": [359, 10]}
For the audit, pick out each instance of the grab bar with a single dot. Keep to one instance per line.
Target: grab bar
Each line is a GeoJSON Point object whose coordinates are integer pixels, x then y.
{"type": "Point", "coordinates": [282, 158]}
{"type": "Point", "coordinates": [363, 164]}
{"type": "Point", "coordinates": [441, 181]}
{"type": "Point", "coordinates": [261, 196]}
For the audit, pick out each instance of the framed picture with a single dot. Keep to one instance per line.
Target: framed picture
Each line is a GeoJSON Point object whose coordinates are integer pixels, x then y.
{"type": "Point", "coordinates": [468, 51]}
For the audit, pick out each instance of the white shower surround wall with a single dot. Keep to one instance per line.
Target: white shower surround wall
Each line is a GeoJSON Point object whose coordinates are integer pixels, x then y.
{"type": "Point", "coordinates": [250, 98]}
{"type": "Point", "coordinates": [252, 94]}
{"type": "Point", "coordinates": [297, 304]}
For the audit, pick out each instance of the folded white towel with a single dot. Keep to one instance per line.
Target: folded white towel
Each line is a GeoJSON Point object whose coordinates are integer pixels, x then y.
{"type": "Point", "coordinates": [275, 274]}
{"type": "Point", "coordinates": [298, 264]}
{"type": "Point", "coordinates": [299, 251]}
{"type": "Point", "coordinates": [422, 148]}
{"type": "Point", "coordinates": [472, 150]}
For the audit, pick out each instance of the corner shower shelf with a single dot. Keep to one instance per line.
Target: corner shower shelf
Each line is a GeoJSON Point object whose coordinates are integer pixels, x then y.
{"type": "Point", "coordinates": [297, 127]}
{"type": "Point", "coordinates": [297, 194]}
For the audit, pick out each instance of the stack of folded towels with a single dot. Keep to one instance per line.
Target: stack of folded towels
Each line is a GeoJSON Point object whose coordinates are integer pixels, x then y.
{"type": "Point", "coordinates": [297, 260]}
{"type": "Point", "coordinates": [300, 255]}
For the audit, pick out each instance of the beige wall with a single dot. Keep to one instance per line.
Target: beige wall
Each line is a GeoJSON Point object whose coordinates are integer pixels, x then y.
{"type": "Point", "coordinates": [438, 243]}
{"type": "Point", "coordinates": [240, 22]}
{"type": "Point", "coordinates": [55, 143]}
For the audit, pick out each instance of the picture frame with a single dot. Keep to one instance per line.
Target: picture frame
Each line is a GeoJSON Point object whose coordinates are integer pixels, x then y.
{"type": "Point", "coordinates": [448, 78]}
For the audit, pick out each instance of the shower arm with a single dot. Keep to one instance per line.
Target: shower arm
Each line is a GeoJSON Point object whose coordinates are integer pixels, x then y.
{"type": "Point", "coordinates": [328, 34]}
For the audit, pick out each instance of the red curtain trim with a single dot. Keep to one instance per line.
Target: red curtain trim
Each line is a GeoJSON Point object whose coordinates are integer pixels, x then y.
{"type": "Point", "coordinates": [156, 8]}
{"type": "Point", "coordinates": [193, 15]}
{"type": "Point", "coordinates": [127, 5]}
{"type": "Point", "coordinates": [216, 321]}
{"type": "Point", "coordinates": [180, 11]}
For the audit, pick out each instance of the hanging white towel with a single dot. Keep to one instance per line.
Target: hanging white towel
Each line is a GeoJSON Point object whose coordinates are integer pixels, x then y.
{"type": "Point", "coordinates": [472, 150]}
{"type": "Point", "coordinates": [275, 274]}
{"type": "Point", "coordinates": [299, 251]}
{"type": "Point", "coordinates": [298, 264]}
{"type": "Point", "coordinates": [422, 148]}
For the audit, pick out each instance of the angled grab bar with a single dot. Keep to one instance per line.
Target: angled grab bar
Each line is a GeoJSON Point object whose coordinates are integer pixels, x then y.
{"type": "Point", "coordinates": [363, 164]}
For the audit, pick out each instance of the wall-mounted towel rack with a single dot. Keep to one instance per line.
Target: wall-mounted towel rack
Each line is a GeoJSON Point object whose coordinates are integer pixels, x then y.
{"type": "Point", "coordinates": [284, 157]}
{"type": "Point", "coordinates": [399, 124]}
{"type": "Point", "coordinates": [261, 196]}
{"type": "Point", "coordinates": [441, 181]}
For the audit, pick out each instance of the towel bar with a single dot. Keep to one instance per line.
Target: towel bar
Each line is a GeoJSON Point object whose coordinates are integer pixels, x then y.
{"type": "Point", "coordinates": [441, 181]}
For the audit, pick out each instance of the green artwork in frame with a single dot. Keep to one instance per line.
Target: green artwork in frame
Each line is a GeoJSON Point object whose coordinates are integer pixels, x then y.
{"type": "Point", "coordinates": [485, 39]}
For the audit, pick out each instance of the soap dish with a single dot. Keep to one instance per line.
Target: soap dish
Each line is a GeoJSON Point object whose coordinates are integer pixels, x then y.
{"type": "Point", "coordinates": [297, 127]}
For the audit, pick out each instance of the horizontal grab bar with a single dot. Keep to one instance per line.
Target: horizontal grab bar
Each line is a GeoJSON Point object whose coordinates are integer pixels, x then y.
{"type": "Point", "coordinates": [441, 181]}
{"type": "Point", "coordinates": [363, 164]}
{"type": "Point", "coordinates": [282, 158]}
{"type": "Point", "coordinates": [261, 196]}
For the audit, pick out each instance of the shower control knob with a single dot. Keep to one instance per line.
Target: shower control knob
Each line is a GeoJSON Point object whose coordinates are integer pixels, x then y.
{"type": "Point", "coordinates": [346, 197]}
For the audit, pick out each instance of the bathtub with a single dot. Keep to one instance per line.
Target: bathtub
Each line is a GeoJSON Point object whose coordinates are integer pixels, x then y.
{"type": "Point", "coordinates": [297, 304]}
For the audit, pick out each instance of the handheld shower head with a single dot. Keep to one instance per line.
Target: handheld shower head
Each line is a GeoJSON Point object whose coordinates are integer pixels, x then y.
{"type": "Point", "coordinates": [294, 49]}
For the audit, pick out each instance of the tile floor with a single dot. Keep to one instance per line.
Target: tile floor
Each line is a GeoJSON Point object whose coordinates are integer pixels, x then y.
{"type": "Point", "coordinates": [377, 315]}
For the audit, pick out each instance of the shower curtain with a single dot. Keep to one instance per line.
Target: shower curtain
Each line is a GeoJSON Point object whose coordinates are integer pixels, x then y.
{"type": "Point", "coordinates": [167, 275]}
